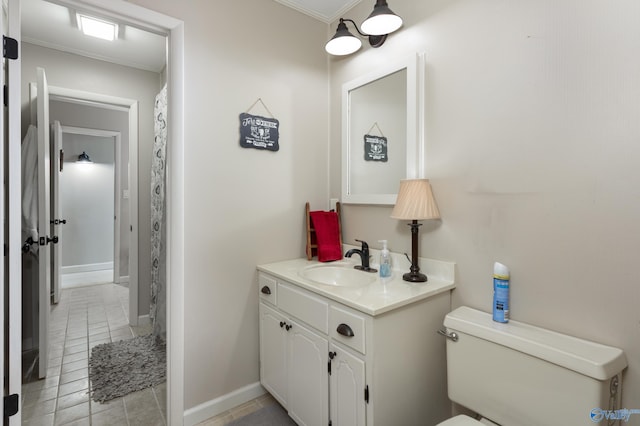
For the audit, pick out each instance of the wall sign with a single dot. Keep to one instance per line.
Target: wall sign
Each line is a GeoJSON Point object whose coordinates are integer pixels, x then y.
{"type": "Point", "coordinates": [259, 132]}
{"type": "Point", "coordinates": [375, 148]}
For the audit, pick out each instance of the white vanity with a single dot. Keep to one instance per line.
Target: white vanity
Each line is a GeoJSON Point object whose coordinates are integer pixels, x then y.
{"type": "Point", "coordinates": [360, 351]}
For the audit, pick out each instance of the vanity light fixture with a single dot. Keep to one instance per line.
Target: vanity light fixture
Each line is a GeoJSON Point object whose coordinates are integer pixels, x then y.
{"type": "Point", "coordinates": [415, 202]}
{"type": "Point", "coordinates": [84, 158]}
{"type": "Point", "coordinates": [380, 23]}
{"type": "Point", "coordinates": [96, 27]}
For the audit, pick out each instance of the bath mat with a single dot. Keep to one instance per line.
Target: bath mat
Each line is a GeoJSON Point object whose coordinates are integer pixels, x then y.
{"type": "Point", "coordinates": [271, 415]}
{"type": "Point", "coordinates": [119, 368]}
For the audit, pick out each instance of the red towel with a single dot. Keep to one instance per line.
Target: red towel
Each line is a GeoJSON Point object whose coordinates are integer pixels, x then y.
{"type": "Point", "coordinates": [327, 235]}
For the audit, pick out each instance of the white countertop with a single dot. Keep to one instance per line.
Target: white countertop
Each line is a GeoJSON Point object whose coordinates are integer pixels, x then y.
{"type": "Point", "coordinates": [383, 295]}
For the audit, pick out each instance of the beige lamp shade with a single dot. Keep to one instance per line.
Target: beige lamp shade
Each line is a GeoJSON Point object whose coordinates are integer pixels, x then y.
{"type": "Point", "coordinates": [415, 201]}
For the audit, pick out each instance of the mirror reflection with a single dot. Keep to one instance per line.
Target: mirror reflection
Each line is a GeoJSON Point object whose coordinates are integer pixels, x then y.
{"type": "Point", "coordinates": [380, 132]}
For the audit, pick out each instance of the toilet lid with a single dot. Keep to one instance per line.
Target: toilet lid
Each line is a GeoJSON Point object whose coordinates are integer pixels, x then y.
{"type": "Point", "coordinates": [460, 420]}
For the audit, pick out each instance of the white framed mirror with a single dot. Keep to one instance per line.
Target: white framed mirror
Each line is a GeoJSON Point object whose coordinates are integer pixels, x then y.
{"type": "Point", "coordinates": [382, 131]}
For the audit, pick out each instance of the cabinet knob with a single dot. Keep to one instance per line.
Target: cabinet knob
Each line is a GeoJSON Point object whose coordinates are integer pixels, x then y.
{"type": "Point", "coordinates": [265, 290]}
{"type": "Point", "coordinates": [282, 323]}
{"type": "Point", "coordinates": [332, 355]}
{"type": "Point", "coordinates": [345, 330]}
{"type": "Point", "coordinates": [288, 327]}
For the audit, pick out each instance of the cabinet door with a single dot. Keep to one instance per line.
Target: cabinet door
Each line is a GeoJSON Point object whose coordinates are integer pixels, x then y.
{"type": "Point", "coordinates": [273, 355]}
{"type": "Point", "coordinates": [308, 376]}
{"type": "Point", "coordinates": [348, 406]}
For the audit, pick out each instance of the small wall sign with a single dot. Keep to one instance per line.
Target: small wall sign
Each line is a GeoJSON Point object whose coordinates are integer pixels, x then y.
{"type": "Point", "coordinates": [259, 132]}
{"type": "Point", "coordinates": [375, 148]}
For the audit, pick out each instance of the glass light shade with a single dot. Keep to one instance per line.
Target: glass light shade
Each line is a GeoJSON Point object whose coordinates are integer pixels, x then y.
{"type": "Point", "coordinates": [343, 42]}
{"type": "Point", "coordinates": [381, 21]}
{"type": "Point", "coordinates": [415, 201]}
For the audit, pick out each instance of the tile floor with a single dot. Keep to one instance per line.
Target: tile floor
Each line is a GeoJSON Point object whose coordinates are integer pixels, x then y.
{"type": "Point", "coordinates": [239, 411]}
{"type": "Point", "coordinates": [84, 317]}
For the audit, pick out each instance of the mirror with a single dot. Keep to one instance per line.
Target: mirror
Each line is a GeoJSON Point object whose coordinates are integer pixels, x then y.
{"type": "Point", "coordinates": [382, 132]}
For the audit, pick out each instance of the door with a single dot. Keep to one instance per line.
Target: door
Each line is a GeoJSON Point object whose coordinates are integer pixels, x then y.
{"type": "Point", "coordinates": [347, 389]}
{"type": "Point", "coordinates": [308, 381]}
{"type": "Point", "coordinates": [56, 220]}
{"type": "Point", "coordinates": [10, 228]}
{"type": "Point", "coordinates": [273, 353]}
{"type": "Point", "coordinates": [44, 190]}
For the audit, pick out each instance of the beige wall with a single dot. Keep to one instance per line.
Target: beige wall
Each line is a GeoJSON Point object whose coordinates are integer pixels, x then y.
{"type": "Point", "coordinates": [532, 146]}
{"type": "Point", "coordinates": [243, 206]}
{"type": "Point", "coordinates": [531, 143]}
{"type": "Point", "coordinates": [80, 73]}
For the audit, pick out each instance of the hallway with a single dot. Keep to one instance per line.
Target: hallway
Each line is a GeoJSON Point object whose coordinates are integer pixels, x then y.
{"type": "Point", "coordinates": [85, 317]}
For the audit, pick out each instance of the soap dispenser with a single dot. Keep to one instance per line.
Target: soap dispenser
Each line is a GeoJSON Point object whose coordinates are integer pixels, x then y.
{"type": "Point", "coordinates": [385, 260]}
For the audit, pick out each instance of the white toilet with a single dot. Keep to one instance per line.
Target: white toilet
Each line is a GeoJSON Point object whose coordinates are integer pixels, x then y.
{"type": "Point", "coordinates": [518, 374]}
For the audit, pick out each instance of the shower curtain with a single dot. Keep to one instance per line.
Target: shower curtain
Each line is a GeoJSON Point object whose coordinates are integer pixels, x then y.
{"type": "Point", "coordinates": [157, 310]}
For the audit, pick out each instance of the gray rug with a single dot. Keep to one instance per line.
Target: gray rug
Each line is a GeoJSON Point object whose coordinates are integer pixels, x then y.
{"type": "Point", "coordinates": [119, 368]}
{"type": "Point", "coordinates": [271, 415]}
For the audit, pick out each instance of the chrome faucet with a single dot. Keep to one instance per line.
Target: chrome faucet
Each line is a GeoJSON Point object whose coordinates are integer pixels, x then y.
{"type": "Point", "coordinates": [364, 257]}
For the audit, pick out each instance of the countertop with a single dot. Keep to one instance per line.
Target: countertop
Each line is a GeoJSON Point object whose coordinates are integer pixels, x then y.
{"type": "Point", "coordinates": [383, 295]}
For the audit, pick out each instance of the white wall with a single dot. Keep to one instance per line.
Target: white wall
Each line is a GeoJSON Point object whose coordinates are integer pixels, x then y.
{"type": "Point", "coordinates": [90, 75]}
{"type": "Point", "coordinates": [87, 200]}
{"type": "Point", "coordinates": [532, 147]}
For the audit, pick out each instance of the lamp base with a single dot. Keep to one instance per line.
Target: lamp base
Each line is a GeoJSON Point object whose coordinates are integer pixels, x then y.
{"type": "Point", "coordinates": [414, 277]}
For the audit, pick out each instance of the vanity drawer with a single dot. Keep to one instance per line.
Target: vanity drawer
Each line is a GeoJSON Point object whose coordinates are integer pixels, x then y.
{"type": "Point", "coordinates": [304, 306]}
{"type": "Point", "coordinates": [347, 328]}
{"type": "Point", "coordinates": [267, 288]}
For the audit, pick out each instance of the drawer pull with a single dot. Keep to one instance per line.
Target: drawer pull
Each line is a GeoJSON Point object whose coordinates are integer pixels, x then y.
{"type": "Point", "coordinates": [345, 330]}
{"type": "Point", "coordinates": [265, 290]}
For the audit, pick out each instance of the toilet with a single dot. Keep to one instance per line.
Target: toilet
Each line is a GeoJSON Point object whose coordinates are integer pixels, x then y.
{"type": "Point", "coordinates": [518, 374]}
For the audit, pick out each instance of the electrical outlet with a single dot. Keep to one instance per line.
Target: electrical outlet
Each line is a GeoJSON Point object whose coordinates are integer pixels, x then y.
{"type": "Point", "coordinates": [332, 203]}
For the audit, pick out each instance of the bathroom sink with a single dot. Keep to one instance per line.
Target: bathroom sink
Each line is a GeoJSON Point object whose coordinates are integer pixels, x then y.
{"type": "Point", "coordinates": [337, 275]}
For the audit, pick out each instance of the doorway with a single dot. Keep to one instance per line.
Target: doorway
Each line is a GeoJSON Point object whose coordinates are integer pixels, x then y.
{"type": "Point", "coordinates": [86, 194]}
{"type": "Point", "coordinates": [173, 29]}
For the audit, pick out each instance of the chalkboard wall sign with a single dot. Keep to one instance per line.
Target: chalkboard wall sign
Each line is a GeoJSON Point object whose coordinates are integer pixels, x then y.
{"type": "Point", "coordinates": [259, 132]}
{"type": "Point", "coordinates": [375, 148]}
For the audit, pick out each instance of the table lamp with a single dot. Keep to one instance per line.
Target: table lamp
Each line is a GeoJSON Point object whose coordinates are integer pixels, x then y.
{"type": "Point", "coordinates": [415, 202]}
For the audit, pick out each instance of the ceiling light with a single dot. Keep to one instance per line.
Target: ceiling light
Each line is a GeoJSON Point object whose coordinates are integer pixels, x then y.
{"type": "Point", "coordinates": [99, 28]}
{"type": "Point", "coordinates": [376, 27]}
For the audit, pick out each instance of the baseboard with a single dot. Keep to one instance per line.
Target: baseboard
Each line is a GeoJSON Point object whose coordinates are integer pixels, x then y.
{"type": "Point", "coordinates": [221, 404]}
{"type": "Point", "coordinates": [89, 267]}
{"type": "Point", "coordinates": [144, 319]}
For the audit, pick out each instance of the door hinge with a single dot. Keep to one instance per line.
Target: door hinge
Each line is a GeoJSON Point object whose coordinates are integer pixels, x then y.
{"type": "Point", "coordinates": [9, 47]}
{"type": "Point", "coordinates": [330, 423]}
{"type": "Point", "coordinates": [6, 250]}
{"type": "Point", "coordinates": [5, 95]}
{"type": "Point", "coordinates": [11, 404]}
{"type": "Point", "coordinates": [366, 394]}
{"type": "Point", "coordinates": [329, 367]}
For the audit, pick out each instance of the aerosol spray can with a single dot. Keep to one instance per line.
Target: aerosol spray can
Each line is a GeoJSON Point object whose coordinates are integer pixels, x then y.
{"type": "Point", "coordinates": [500, 292]}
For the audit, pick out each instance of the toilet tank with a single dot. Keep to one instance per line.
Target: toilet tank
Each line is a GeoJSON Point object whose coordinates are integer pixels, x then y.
{"type": "Point", "coordinates": [519, 374]}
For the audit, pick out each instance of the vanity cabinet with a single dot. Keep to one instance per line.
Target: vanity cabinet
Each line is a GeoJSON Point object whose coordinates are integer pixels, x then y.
{"type": "Point", "coordinates": [293, 361]}
{"type": "Point", "coordinates": [328, 363]}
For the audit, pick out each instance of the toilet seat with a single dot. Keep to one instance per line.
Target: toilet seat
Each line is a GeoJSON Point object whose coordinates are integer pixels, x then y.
{"type": "Point", "coordinates": [461, 420]}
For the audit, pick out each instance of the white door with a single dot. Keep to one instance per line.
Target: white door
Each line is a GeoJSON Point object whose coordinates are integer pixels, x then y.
{"type": "Point", "coordinates": [56, 220]}
{"type": "Point", "coordinates": [10, 212]}
{"type": "Point", "coordinates": [273, 353]}
{"type": "Point", "coordinates": [347, 389]}
{"type": "Point", "coordinates": [308, 379]}
{"type": "Point", "coordinates": [44, 190]}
